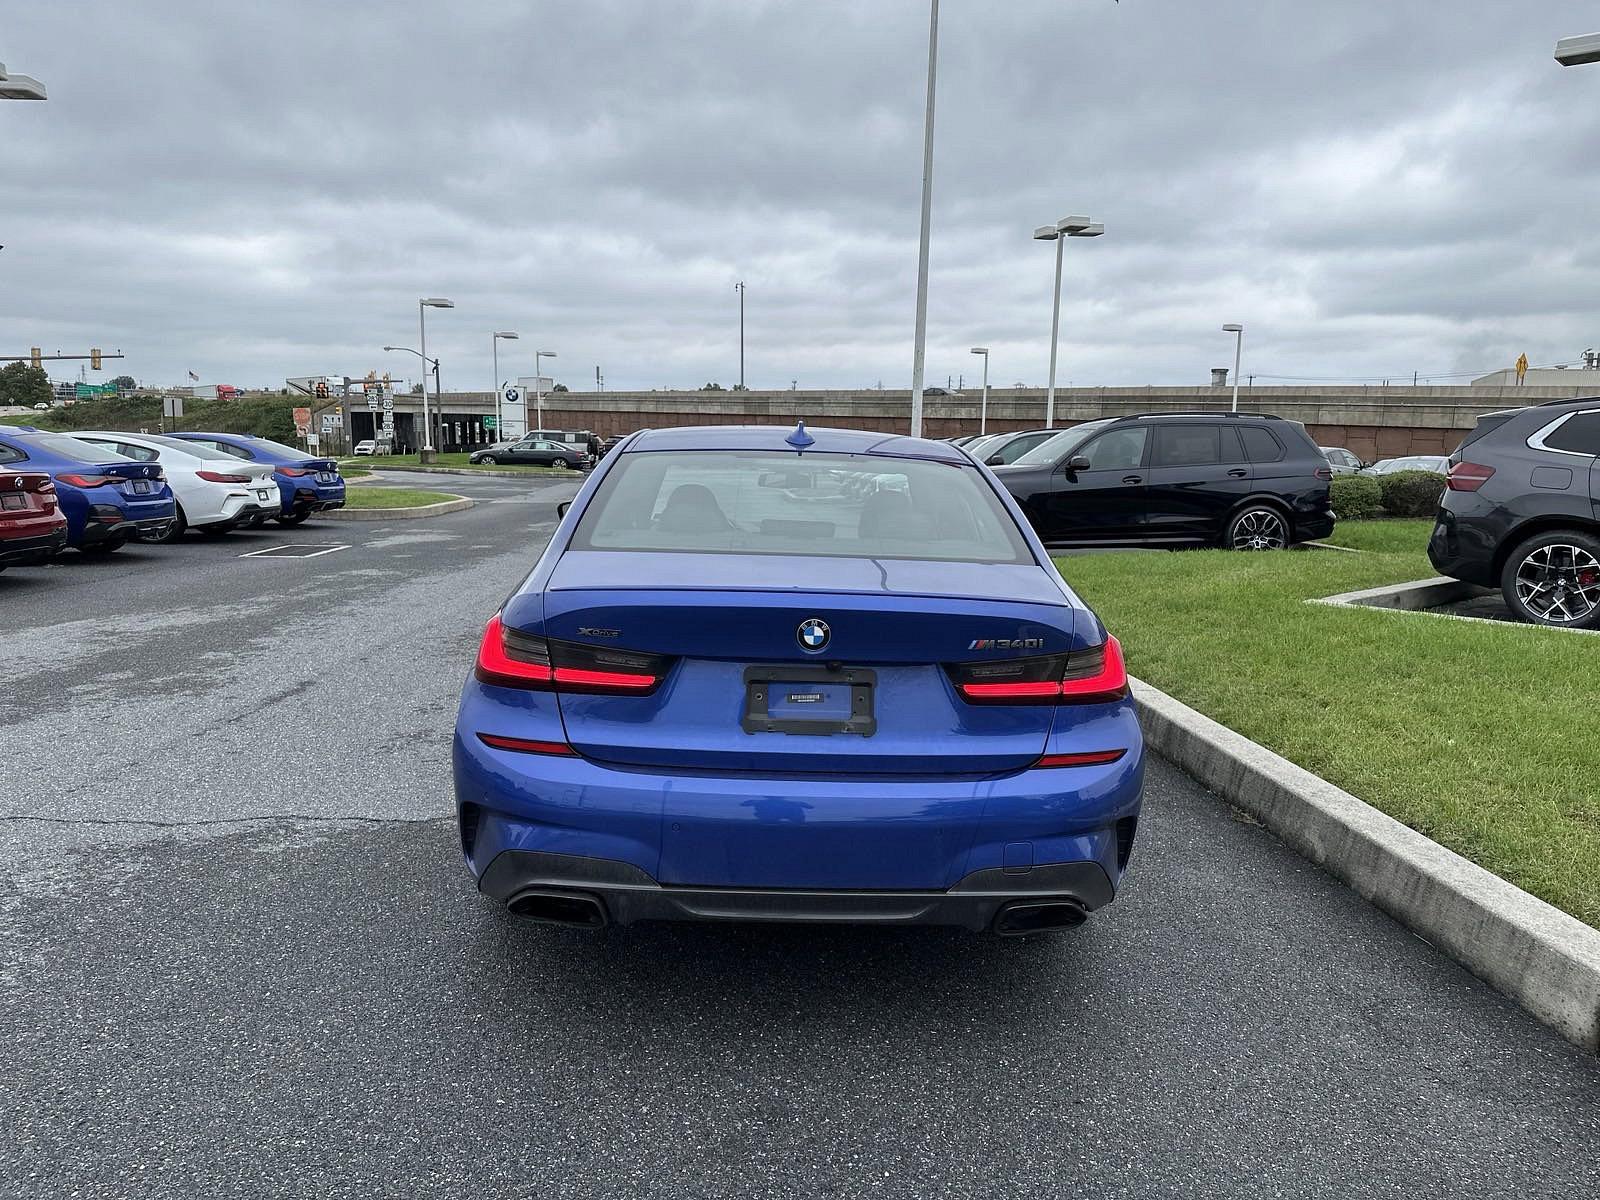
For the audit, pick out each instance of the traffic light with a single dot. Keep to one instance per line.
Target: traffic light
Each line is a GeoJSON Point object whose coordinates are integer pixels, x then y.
{"type": "Point", "coordinates": [37, 355]}
{"type": "Point", "coordinates": [94, 358]}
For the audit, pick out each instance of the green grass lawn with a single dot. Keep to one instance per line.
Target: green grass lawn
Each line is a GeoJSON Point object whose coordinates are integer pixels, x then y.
{"type": "Point", "coordinates": [448, 460]}
{"type": "Point", "coordinates": [1481, 736]}
{"type": "Point", "coordinates": [393, 497]}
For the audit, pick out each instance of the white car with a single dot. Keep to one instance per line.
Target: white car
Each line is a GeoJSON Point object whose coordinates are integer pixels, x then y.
{"type": "Point", "coordinates": [367, 447]}
{"type": "Point", "coordinates": [215, 493]}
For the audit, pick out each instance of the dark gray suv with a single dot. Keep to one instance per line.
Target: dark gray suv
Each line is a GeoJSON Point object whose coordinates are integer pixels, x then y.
{"type": "Point", "coordinates": [1522, 512]}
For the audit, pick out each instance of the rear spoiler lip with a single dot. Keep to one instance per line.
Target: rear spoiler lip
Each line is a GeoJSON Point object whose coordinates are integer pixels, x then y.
{"type": "Point", "coordinates": [131, 470]}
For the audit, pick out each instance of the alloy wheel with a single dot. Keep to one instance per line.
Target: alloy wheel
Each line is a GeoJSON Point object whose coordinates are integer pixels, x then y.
{"type": "Point", "coordinates": [1559, 584]}
{"type": "Point", "coordinates": [1259, 529]}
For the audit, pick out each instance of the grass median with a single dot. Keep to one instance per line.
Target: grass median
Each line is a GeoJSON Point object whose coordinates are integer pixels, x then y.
{"type": "Point", "coordinates": [1479, 735]}
{"type": "Point", "coordinates": [458, 461]}
{"type": "Point", "coordinates": [393, 497]}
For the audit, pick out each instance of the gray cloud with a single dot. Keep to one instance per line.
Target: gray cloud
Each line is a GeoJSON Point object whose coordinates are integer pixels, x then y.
{"type": "Point", "coordinates": [261, 191]}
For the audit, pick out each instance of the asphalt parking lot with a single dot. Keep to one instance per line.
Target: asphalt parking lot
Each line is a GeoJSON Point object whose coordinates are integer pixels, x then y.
{"type": "Point", "coordinates": [240, 955]}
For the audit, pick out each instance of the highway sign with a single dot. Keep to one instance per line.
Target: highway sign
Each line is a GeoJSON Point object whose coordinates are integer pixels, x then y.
{"type": "Point", "coordinates": [489, 422]}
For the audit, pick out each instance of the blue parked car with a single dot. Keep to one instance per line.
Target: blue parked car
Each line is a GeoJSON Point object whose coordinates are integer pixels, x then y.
{"type": "Point", "coordinates": [770, 676]}
{"type": "Point", "coordinates": [307, 484]}
{"type": "Point", "coordinates": [108, 499]}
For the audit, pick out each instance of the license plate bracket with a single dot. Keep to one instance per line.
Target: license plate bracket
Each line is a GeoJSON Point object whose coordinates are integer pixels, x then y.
{"type": "Point", "coordinates": [141, 487]}
{"type": "Point", "coordinates": [810, 700]}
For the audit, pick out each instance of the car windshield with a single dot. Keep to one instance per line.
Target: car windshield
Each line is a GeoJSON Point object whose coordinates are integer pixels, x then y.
{"type": "Point", "coordinates": [1052, 450]}
{"type": "Point", "coordinates": [280, 448]}
{"type": "Point", "coordinates": [166, 443]}
{"type": "Point", "coordinates": [71, 447]}
{"type": "Point", "coordinates": [833, 505]}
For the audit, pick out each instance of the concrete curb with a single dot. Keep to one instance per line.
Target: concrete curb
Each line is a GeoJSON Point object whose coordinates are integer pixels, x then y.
{"type": "Point", "coordinates": [1420, 597]}
{"type": "Point", "coordinates": [477, 473]}
{"type": "Point", "coordinates": [443, 508]}
{"type": "Point", "coordinates": [1544, 959]}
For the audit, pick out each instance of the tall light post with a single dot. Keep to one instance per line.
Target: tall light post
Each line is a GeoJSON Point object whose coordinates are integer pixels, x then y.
{"type": "Point", "coordinates": [1058, 233]}
{"type": "Point", "coordinates": [921, 337]}
{"type": "Point", "coordinates": [494, 349]}
{"type": "Point", "coordinates": [983, 410]}
{"type": "Point", "coordinates": [19, 87]}
{"type": "Point", "coordinates": [422, 332]}
{"type": "Point", "coordinates": [1578, 51]}
{"type": "Point", "coordinates": [1238, 350]}
{"type": "Point", "coordinates": [739, 287]}
{"type": "Point", "coordinates": [538, 386]}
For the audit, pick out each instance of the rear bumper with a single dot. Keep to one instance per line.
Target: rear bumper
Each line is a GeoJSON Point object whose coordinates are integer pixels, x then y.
{"type": "Point", "coordinates": [1465, 549]}
{"type": "Point", "coordinates": [309, 500]}
{"type": "Point", "coordinates": [679, 844]}
{"type": "Point", "coordinates": [20, 552]}
{"type": "Point", "coordinates": [1314, 528]}
{"type": "Point", "coordinates": [627, 894]}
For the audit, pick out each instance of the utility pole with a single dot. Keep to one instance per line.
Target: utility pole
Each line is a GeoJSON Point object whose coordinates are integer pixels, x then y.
{"type": "Point", "coordinates": [920, 336]}
{"type": "Point", "coordinates": [739, 287]}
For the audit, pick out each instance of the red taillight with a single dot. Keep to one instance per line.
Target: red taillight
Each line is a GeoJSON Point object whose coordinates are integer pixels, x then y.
{"type": "Point", "coordinates": [1323, 472]}
{"type": "Point", "coordinates": [514, 660]}
{"type": "Point", "coordinates": [525, 745]}
{"type": "Point", "coordinates": [293, 472]}
{"type": "Point", "coordinates": [511, 658]}
{"type": "Point", "coordinates": [86, 481]}
{"type": "Point", "coordinates": [1090, 758]}
{"type": "Point", "coordinates": [219, 477]}
{"type": "Point", "coordinates": [1091, 676]}
{"type": "Point", "coordinates": [1468, 476]}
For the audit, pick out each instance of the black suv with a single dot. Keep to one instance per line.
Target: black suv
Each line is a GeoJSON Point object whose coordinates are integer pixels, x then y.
{"type": "Point", "coordinates": [1521, 512]}
{"type": "Point", "coordinates": [1239, 480]}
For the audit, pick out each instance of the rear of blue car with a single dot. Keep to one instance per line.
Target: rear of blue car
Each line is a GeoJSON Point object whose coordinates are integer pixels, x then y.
{"type": "Point", "coordinates": [108, 500]}
{"type": "Point", "coordinates": [830, 687]}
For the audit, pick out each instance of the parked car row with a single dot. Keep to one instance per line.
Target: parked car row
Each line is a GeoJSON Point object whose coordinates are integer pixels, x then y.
{"type": "Point", "coordinates": [97, 490]}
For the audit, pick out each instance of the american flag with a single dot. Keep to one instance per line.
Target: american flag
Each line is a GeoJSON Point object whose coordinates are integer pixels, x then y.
{"type": "Point", "coordinates": [194, 377]}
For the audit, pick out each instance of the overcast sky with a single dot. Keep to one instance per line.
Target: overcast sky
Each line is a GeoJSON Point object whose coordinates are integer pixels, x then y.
{"type": "Point", "coordinates": [258, 191]}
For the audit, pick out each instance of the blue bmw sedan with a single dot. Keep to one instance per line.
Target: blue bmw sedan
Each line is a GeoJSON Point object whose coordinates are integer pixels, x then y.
{"type": "Point", "coordinates": [826, 676]}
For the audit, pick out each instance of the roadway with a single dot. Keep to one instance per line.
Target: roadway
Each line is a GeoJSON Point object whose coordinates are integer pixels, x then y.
{"type": "Point", "coordinates": [240, 956]}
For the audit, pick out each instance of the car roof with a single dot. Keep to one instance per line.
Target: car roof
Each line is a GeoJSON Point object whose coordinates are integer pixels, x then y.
{"type": "Point", "coordinates": [773, 437]}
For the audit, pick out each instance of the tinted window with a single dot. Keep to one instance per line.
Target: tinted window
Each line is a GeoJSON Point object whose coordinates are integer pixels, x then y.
{"type": "Point", "coordinates": [1580, 434]}
{"type": "Point", "coordinates": [1058, 446]}
{"type": "Point", "coordinates": [8, 455]}
{"type": "Point", "coordinates": [1017, 447]}
{"type": "Point", "coordinates": [1118, 450]}
{"type": "Point", "coordinates": [1261, 446]}
{"type": "Point", "coordinates": [1187, 445]}
{"type": "Point", "coordinates": [828, 505]}
{"type": "Point", "coordinates": [71, 447]}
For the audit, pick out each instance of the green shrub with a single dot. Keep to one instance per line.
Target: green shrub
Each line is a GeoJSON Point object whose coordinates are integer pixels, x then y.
{"type": "Point", "coordinates": [1357, 497]}
{"type": "Point", "coordinates": [1411, 493]}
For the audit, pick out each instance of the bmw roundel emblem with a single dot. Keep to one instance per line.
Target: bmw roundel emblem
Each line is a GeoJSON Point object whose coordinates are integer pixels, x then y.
{"type": "Point", "coordinates": [813, 634]}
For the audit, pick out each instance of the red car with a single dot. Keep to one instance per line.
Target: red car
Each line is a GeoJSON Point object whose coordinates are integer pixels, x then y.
{"type": "Point", "coordinates": [32, 525]}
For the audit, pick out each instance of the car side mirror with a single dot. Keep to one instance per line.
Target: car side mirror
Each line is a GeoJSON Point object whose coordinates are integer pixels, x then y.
{"type": "Point", "coordinates": [1079, 462]}
{"type": "Point", "coordinates": [994, 460]}
{"type": "Point", "coordinates": [561, 509]}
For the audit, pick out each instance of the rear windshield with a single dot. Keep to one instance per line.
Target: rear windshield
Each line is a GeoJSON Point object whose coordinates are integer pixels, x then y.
{"type": "Point", "coordinates": [764, 502]}
{"type": "Point", "coordinates": [71, 447]}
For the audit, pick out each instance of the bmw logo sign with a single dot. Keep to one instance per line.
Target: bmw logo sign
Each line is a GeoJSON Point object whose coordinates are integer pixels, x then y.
{"type": "Point", "coordinates": [813, 634]}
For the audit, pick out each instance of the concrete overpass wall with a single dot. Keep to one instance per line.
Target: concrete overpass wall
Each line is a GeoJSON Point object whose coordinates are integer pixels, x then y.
{"type": "Point", "coordinates": [1372, 422]}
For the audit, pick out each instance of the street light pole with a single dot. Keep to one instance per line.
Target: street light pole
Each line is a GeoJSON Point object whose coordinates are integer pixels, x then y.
{"type": "Point", "coordinates": [1064, 228]}
{"type": "Point", "coordinates": [983, 410]}
{"type": "Point", "coordinates": [422, 333]}
{"type": "Point", "coordinates": [538, 386]}
{"type": "Point", "coordinates": [739, 287]}
{"type": "Point", "coordinates": [1238, 350]}
{"type": "Point", "coordinates": [499, 414]}
{"type": "Point", "coordinates": [921, 335]}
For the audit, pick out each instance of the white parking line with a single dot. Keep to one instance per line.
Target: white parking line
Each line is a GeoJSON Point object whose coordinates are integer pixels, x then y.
{"type": "Point", "coordinates": [294, 550]}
